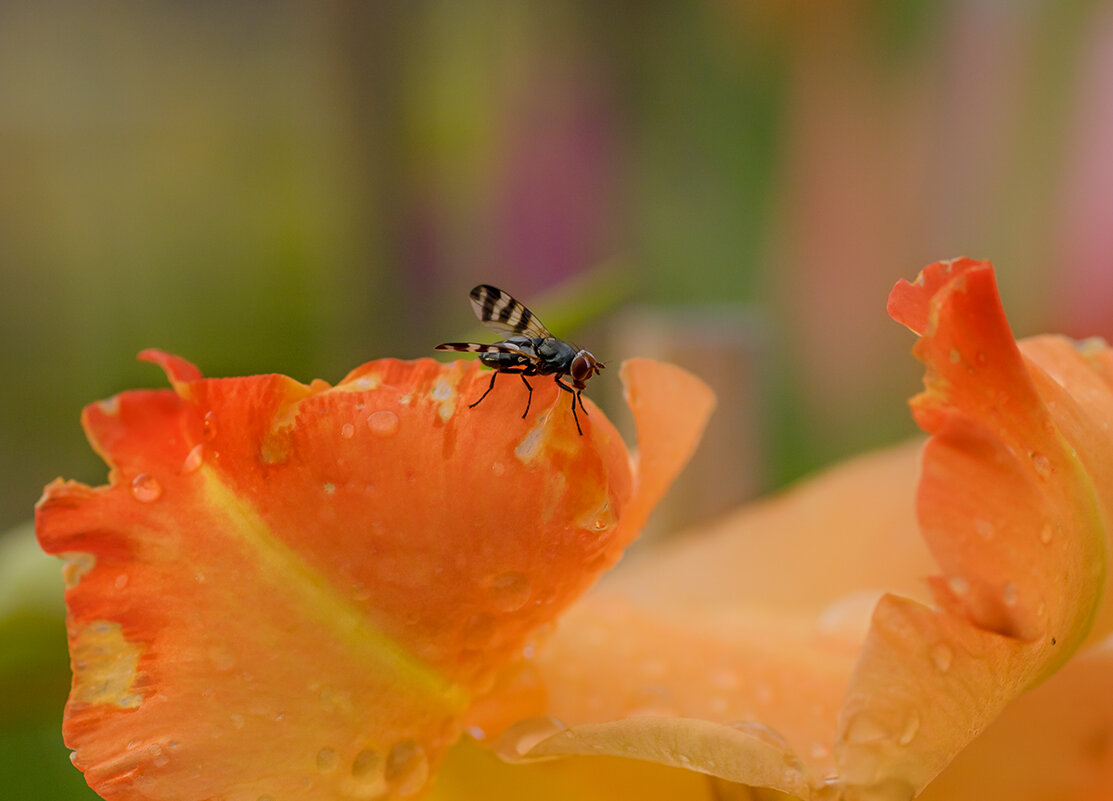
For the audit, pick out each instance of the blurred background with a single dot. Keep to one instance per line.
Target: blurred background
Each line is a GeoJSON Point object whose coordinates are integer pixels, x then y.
{"type": "Point", "coordinates": [732, 184]}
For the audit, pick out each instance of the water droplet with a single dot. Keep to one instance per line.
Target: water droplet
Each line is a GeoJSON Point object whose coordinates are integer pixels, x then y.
{"type": "Point", "coordinates": [911, 726]}
{"type": "Point", "coordinates": [1041, 464]}
{"type": "Point", "coordinates": [509, 591]}
{"type": "Point", "coordinates": [194, 459]}
{"type": "Point", "coordinates": [984, 528]}
{"type": "Point", "coordinates": [820, 751]}
{"type": "Point", "coordinates": [762, 732]}
{"type": "Point", "coordinates": [958, 585]}
{"type": "Point", "coordinates": [864, 730]}
{"type": "Point", "coordinates": [942, 656]}
{"type": "Point", "coordinates": [476, 733]}
{"type": "Point", "coordinates": [407, 768]}
{"type": "Point", "coordinates": [327, 760]}
{"type": "Point", "coordinates": [237, 720]}
{"type": "Point", "coordinates": [366, 764]}
{"type": "Point", "coordinates": [121, 581]}
{"type": "Point", "coordinates": [208, 426]}
{"type": "Point", "coordinates": [145, 488]}
{"type": "Point", "coordinates": [383, 422]}
{"type": "Point", "coordinates": [956, 357]}
{"type": "Point", "coordinates": [132, 745]}
{"type": "Point", "coordinates": [498, 468]}
{"type": "Point", "coordinates": [347, 431]}
{"type": "Point", "coordinates": [848, 617]}
{"type": "Point", "coordinates": [329, 488]}
{"type": "Point", "coordinates": [1009, 594]}
{"type": "Point", "coordinates": [158, 758]}
{"type": "Point", "coordinates": [1047, 533]}
{"type": "Point", "coordinates": [519, 739]}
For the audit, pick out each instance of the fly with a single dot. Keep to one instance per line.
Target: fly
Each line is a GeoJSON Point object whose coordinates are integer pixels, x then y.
{"type": "Point", "coordinates": [528, 350]}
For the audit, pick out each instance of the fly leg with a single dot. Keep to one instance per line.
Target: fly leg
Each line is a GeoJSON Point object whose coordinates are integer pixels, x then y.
{"type": "Point", "coordinates": [529, 398]}
{"type": "Point", "coordinates": [575, 397]}
{"type": "Point", "coordinates": [490, 386]}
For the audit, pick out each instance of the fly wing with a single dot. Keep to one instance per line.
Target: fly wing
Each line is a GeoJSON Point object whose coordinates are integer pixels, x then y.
{"type": "Point", "coordinates": [500, 311]}
{"type": "Point", "coordinates": [477, 347]}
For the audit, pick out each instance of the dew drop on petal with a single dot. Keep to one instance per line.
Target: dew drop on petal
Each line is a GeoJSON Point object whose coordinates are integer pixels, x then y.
{"type": "Point", "coordinates": [1009, 594]}
{"type": "Point", "coordinates": [762, 732]}
{"type": "Point", "coordinates": [407, 768]}
{"type": "Point", "coordinates": [145, 488]}
{"type": "Point", "coordinates": [1047, 533]}
{"type": "Point", "coordinates": [366, 764]}
{"type": "Point", "coordinates": [498, 468]}
{"type": "Point", "coordinates": [1041, 464]}
{"type": "Point", "coordinates": [509, 591]}
{"type": "Point", "coordinates": [863, 730]}
{"type": "Point", "coordinates": [942, 656]}
{"type": "Point", "coordinates": [327, 760]}
{"type": "Point", "coordinates": [959, 585]}
{"type": "Point", "coordinates": [208, 426]}
{"type": "Point", "coordinates": [347, 431]}
{"type": "Point", "coordinates": [911, 726]}
{"type": "Point", "coordinates": [383, 422]}
{"type": "Point", "coordinates": [121, 581]}
{"type": "Point", "coordinates": [984, 528]}
{"type": "Point", "coordinates": [194, 459]}
{"type": "Point", "coordinates": [517, 740]}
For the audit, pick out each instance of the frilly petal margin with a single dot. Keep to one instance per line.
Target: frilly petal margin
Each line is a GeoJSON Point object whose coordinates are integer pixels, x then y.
{"type": "Point", "coordinates": [292, 590]}
{"type": "Point", "coordinates": [1010, 511]}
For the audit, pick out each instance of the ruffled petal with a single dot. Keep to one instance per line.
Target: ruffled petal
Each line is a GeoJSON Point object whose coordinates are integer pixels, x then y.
{"type": "Point", "coordinates": [1054, 742]}
{"type": "Point", "coordinates": [294, 590]}
{"type": "Point", "coordinates": [1012, 516]}
{"type": "Point", "coordinates": [702, 648]}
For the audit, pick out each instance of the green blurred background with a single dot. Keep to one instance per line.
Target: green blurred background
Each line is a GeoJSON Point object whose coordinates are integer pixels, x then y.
{"type": "Point", "coordinates": [301, 187]}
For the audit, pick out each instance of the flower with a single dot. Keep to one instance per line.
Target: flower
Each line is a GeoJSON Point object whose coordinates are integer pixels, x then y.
{"type": "Point", "coordinates": [796, 646]}
{"type": "Point", "coordinates": [291, 591]}
{"type": "Point", "coordinates": [241, 629]}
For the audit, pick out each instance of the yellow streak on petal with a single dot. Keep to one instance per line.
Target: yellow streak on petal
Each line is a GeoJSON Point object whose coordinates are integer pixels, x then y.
{"type": "Point", "coordinates": [76, 565]}
{"type": "Point", "coordinates": [104, 666]}
{"type": "Point", "coordinates": [320, 601]}
{"type": "Point", "coordinates": [444, 394]}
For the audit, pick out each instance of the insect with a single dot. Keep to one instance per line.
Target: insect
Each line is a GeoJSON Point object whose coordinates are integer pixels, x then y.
{"type": "Point", "coordinates": [529, 350]}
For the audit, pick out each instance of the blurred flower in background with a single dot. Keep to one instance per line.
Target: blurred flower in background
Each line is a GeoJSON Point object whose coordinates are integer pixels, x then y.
{"type": "Point", "coordinates": [308, 188]}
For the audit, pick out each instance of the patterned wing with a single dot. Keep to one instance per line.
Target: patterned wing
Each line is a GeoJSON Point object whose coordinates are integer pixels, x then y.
{"type": "Point", "coordinates": [477, 347]}
{"type": "Point", "coordinates": [500, 311]}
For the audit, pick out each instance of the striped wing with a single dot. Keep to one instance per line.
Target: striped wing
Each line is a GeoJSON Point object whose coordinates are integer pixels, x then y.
{"type": "Point", "coordinates": [500, 311]}
{"type": "Point", "coordinates": [477, 347]}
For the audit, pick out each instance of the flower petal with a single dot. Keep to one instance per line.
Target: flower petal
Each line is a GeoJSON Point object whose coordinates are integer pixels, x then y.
{"type": "Point", "coordinates": [704, 630]}
{"type": "Point", "coordinates": [1054, 742]}
{"type": "Point", "coordinates": [296, 591]}
{"type": "Point", "coordinates": [1010, 513]}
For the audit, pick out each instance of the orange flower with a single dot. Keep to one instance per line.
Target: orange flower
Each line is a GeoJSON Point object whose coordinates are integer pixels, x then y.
{"type": "Point", "coordinates": [296, 601]}
{"type": "Point", "coordinates": [292, 591]}
{"type": "Point", "coordinates": [796, 645]}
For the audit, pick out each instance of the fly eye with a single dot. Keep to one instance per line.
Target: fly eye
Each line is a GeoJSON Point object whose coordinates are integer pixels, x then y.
{"type": "Point", "coordinates": [582, 367]}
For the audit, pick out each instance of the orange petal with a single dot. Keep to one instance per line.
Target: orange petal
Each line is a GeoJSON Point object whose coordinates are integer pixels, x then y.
{"type": "Point", "coordinates": [1053, 742]}
{"type": "Point", "coordinates": [473, 773]}
{"type": "Point", "coordinates": [703, 630]}
{"type": "Point", "coordinates": [1011, 515]}
{"type": "Point", "coordinates": [296, 591]}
